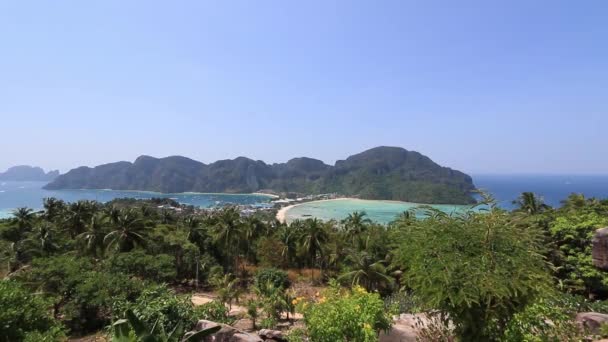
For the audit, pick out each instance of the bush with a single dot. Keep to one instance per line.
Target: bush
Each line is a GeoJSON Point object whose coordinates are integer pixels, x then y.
{"type": "Point", "coordinates": [214, 311]}
{"type": "Point", "coordinates": [477, 268]}
{"type": "Point", "coordinates": [159, 304]}
{"type": "Point", "coordinates": [546, 319]}
{"type": "Point", "coordinates": [159, 267]}
{"type": "Point", "coordinates": [276, 277]}
{"type": "Point", "coordinates": [345, 315]}
{"type": "Point", "coordinates": [24, 314]}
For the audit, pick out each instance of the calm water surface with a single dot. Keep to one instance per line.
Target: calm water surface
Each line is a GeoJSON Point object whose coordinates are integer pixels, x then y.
{"type": "Point", "coordinates": [505, 188]}
{"type": "Point", "coordinates": [31, 194]}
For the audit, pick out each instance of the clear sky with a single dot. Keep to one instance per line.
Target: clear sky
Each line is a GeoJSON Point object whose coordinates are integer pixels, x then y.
{"type": "Point", "coordinates": [481, 86]}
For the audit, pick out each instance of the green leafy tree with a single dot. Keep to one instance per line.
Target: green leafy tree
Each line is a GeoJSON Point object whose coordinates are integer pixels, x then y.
{"type": "Point", "coordinates": [479, 269]}
{"type": "Point", "coordinates": [572, 231]}
{"type": "Point", "coordinates": [24, 313]}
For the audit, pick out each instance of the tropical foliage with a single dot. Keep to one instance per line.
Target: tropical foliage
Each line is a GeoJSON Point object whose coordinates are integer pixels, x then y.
{"type": "Point", "coordinates": [78, 268]}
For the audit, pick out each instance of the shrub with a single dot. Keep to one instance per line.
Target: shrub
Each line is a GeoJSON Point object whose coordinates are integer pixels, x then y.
{"type": "Point", "coordinates": [159, 267]}
{"type": "Point", "coordinates": [477, 268]}
{"type": "Point", "coordinates": [159, 304]}
{"type": "Point", "coordinates": [214, 311]}
{"type": "Point", "coordinates": [24, 314]}
{"type": "Point", "coordinates": [276, 277]}
{"type": "Point", "coordinates": [543, 320]}
{"type": "Point", "coordinates": [345, 315]}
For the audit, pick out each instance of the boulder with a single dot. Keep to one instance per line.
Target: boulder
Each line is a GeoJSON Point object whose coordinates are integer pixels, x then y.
{"type": "Point", "coordinates": [226, 334]}
{"type": "Point", "coordinates": [600, 249]}
{"type": "Point", "coordinates": [404, 329]}
{"type": "Point", "coordinates": [274, 335]}
{"type": "Point", "coordinates": [591, 321]}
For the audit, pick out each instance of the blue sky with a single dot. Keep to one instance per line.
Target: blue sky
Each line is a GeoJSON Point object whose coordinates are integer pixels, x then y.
{"type": "Point", "coordinates": [481, 86]}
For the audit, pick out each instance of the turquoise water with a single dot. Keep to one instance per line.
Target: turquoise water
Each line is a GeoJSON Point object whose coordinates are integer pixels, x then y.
{"type": "Point", "coordinates": [30, 194]}
{"type": "Point", "coordinates": [505, 188]}
{"type": "Point", "coordinates": [377, 211]}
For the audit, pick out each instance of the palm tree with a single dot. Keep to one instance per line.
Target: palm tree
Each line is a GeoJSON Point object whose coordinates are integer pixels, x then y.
{"type": "Point", "coordinates": [93, 237]}
{"type": "Point", "coordinates": [128, 232]}
{"type": "Point", "coordinates": [10, 256]}
{"type": "Point", "coordinates": [252, 228]}
{"type": "Point", "coordinates": [227, 288]}
{"type": "Point", "coordinates": [193, 226]}
{"type": "Point", "coordinates": [78, 215]}
{"type": "Point", "coordinates": [530, 203]}
{"type": "Point", "coordinates": [112, 213]}
{"type": "Point", "coordinates": [313, 239]}
{"type": "Point", "coordinates": [43, 240]}
{"type": "Point", "coordinates": [24, 217]}
{"type": "Point", "coordinates": [52, 208]}
{"type": "Point", "coordinates": [289, 238]}
{"type": "Point", "coordinates": [355, 224]}
{"type": "Point", "coordinates": [167, 217]}
{"type": "Point", "coordinates": [367, 272]}
{"type": "Point", "coordinates": [227, 231]}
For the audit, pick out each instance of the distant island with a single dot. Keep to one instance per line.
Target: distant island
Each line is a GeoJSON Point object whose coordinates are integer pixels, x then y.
{"type": "Point", "coordinates": [24, 173]}
{"type": "Point", "coordinates": [386, 173]}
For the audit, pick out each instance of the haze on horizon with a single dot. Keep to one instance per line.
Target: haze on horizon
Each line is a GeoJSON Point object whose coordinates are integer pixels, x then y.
{"type": "Point", "coordinates": [482, 87]}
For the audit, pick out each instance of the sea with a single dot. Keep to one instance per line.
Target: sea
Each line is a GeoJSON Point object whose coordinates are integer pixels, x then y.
{"type": "Point", "coordinates": [504, 188]}
{"type": "Point", "coordinates": [553, 189]}
{"type": "Point", "coordinates": [31, 194]}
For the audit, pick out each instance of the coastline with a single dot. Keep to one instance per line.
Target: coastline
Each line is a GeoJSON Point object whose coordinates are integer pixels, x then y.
{"type": "Point", "coordinates": [169, 193]}
{"type": "Point", "coordinates": [282, 213]}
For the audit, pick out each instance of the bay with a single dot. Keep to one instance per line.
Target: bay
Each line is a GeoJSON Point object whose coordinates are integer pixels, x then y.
{"type": "Point", "coordinates": [504, 188]}
{"type": "Point", "coordinates": [31, 194]}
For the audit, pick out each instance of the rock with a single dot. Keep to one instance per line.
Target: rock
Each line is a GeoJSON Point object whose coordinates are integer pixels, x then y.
{"type": "Point", "coordinates": [205, 324]}
{"type": "Point", "coordinates": [591, 321]}
{"type": "Point", "coordinates": [274, 335]}
{"type": "Point", "coordinates": [600, 249]}
{"type": "Point", "coordinates": [404, 329]}
{"type": "Point", "coordinates": [226, 334]}
{"type": "Point", "coordinates": [243, 337]}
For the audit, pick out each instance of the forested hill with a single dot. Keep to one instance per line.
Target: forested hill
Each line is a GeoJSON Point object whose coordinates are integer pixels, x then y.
{"type": "Point", "coordinates": [389, 173]}
{"type": "Point", "coordinates": [27, 173]}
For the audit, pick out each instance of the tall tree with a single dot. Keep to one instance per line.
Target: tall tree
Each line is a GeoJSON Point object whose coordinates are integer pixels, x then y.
{"type": "Point", "coordinates": [355, 225]}
{"type": "Point", "coordinates": [92, 238]}
{"type": "Point", "coordinates": [227, 232]}
{"type": "Point", "coordinates": [24, 218]}
{"type": "Point", "coordinates": [313, 239]}
{"type": "Point", "coordinates": [128, 232]}
{"type": "Point", "coordinates": [53, 208]}
{"type": "Point", "coordinates": [367, 272]}
{"type": "Point", "coordinates": [78, 215]}
{"type": "Point", "coordinates": [530, 203]}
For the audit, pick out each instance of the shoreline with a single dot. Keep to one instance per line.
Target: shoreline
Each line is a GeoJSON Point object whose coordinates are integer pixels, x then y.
{"type": "Point", "coordinates": [170, 193]}
{"type": "Point", "coordinates": [282, 213]}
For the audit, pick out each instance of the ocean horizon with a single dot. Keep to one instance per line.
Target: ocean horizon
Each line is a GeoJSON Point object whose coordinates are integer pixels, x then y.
{"type": "Point", "coordinates": [505, 188]}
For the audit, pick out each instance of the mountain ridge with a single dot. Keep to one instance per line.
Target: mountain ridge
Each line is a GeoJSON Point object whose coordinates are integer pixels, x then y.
{"type": "Point", "coordinates": [28, 173]}
{"type": "Point", "coordinates": [389, 173]}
